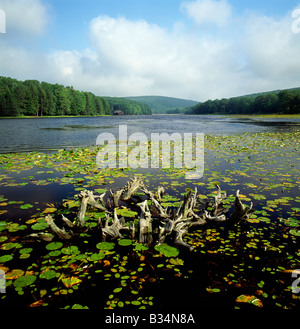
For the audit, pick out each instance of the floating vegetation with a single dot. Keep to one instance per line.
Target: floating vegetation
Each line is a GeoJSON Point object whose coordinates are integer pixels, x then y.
{"type": "Point", "coordinates": [167, 250]}
{"type": "Point", "coordinates": [248, 266]}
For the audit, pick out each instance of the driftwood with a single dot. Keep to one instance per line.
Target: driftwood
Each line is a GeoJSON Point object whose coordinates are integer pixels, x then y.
{"type": "Point", "coordinates": [61, 233]}
{"type": "Point", "coordinates": [241, 212]}
{"type": "Point", "coordinates": [157, 224]}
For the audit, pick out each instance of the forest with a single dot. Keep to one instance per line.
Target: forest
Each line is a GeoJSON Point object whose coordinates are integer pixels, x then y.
{"type": "Point", "coordinates": [165, 105]}
{"type": "Point", "coordinates": [129, 107]}
{"type": "Point", "coordinates": [34, 98]}
{"type": "Point", "coordinates": [276, 102]}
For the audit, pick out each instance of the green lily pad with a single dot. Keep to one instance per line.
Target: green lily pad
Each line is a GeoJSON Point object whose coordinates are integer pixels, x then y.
{"type": "Point", "coordinates": [295, 232]}
{"type": "Point", "coordinates": [25, 251]}
{"type": "Point", "coordinates": [5, 258]}
{"type": "Point", "coordinates": [140, 247]}
{"type": "Point", "coordinates": [54, 253]}
{"type": "Point", "coordinates": [125, 242]}
{"type": "Point", "coordinates": [72, 250]}
{"type": "Point", "coordinates": [96, 257]}
{"type": "Point", "coordinates": [105, 245]}
{"type": "Point", "coordinates": [167, 250]}
{"type": "Point", "coordinates": [48, 274]}
{"type": "Point", "coordinates": [42, 225]}
{"type": "Point", "coordinates": [54, 245]}
{"type": "Point", "coordinates": [79, 307]}
{"type": "Point", "coordinates": [3, 238]}
{"type": "Point", "coordinates": [126, 212]}
{"type": "Point", "coordinates": [24, 281]}
{"type": "Point", "coordinates": [11, 245]}
{"type": "Point", "coordinates": [26, 206]}
{"type": "Point", "coordinates": [292, 222]}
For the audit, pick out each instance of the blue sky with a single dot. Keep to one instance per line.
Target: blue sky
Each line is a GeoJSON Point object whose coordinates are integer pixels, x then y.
{"type": "Point", "coordinates": [195, 49]}
{"type": "Point", "coordinates": [70, 19]}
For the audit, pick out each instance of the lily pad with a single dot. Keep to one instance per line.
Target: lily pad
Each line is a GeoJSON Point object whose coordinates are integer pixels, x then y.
{"type": "Point", "coordinates": [250, 300]}
{"type": "Point", "coordinates": [105, 245]}
{"type": "Point", "coordinates": [295, 232]}
{"type": "Point", "coordinates": [54, 245]}
{"type": "Point", "coordinates": [42, 225]}
{"type": "Point", "coordinates": [3, 238]}
{"type": "Point", "coordinates": [48, 274]}
{"type": "Point", "coordinates": [72, 250]}
{"type": "Point", "coordinates": [24, 281]}
{"type": "Point", "coordinates": [140, 247]}
{"type": "Point", "coordinates": [5, 258]}
{"type": "Point", "coordinates": [167, 250]}
{"type": "Point", "coordinates": [26, 206]}
{"type": "Point", "coordinates": [96, 257]}
{"type": "Point", "coordinates": [292, 222]}
{"type": "Point", "coordinates": [14, 274]}
{"type": "Point", "coordinates": [126, 212]}
{"type": "Point", "coordinates": [125, 242]}
{"type": "Point", "coordinates": [25, 251]}
{"type": "Point", "coordinates": [11, 245]}
{"type": "Point", "coordinates": [71, 281]}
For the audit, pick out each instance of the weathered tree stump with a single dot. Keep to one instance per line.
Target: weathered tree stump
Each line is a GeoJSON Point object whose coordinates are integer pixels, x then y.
{"type": "Point", "coordinates": [156, 223]}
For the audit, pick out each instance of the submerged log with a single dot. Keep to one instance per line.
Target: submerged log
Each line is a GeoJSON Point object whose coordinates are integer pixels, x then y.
{"type": "Point", "coordinates": [156, 224]}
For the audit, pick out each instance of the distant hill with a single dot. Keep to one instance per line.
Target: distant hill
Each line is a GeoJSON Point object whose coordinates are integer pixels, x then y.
{"type": "Point", "coordinates": [285, 101]}
{"type": "Point", "coordinates": [161, 104]}
{"type": "Point", "coordinates": [275, 92]}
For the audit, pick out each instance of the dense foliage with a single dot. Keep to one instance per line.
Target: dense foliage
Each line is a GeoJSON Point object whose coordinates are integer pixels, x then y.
{"type": "Point", "coordinates": [34, 98]}
{"type": "Point", "coordinates": [285, 102]}
{"type": "Point", "coordinates": [128, 106]}
{"type": "Point", "coordinates": [161, 104]}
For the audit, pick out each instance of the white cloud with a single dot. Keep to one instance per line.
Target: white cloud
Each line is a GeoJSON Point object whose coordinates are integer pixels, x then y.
{"type": "Point", "coordinates": [128, 57]}
{"type": "Point", "coordinates": [25, 17]}
{"type": "Point", "coordinates": [208, 11]}
{"type": "Point", "coordinates": [272, 52]}
{"type": "Point", "coordinates": [153, 60]}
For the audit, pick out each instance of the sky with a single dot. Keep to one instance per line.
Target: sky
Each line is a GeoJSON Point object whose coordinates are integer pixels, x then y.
{"type": "Point", "coordinates": [192, 49]}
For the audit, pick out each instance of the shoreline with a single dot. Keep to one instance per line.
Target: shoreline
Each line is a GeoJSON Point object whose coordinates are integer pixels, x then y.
{"type": "Point", "coordinates": [271, 116]}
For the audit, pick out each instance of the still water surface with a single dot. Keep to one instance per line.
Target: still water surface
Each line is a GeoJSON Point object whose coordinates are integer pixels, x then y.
{"type": "Point", "coordinates": [48, 134]}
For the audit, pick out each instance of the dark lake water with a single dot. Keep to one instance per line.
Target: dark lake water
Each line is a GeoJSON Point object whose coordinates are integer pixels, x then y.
{"type": "Point", "coordinates": [252, 260]}
{"type": "Point", "coordinates": [48, 134]}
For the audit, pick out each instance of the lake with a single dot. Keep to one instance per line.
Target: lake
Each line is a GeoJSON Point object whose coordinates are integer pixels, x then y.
{"type": "Point", "coordinates": [246, 266]}
{"type": "Point", "coordinates": [48, 134]}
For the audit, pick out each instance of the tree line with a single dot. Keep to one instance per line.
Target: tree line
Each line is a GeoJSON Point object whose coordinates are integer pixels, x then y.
{"type": "Point", "coordinates": [279, 102]}
{"type": "Point", "coordinates": [34, 98]}
{"type": "Point", "coordinates": [128, 106]}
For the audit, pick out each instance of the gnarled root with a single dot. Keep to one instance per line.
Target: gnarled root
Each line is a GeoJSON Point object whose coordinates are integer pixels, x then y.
{"type": "Point", "coordinates": [156, 223]}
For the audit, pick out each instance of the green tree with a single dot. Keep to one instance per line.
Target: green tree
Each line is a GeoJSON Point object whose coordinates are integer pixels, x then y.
{"type": "Point", "coordinates": [32, 98]}
{"type": "Point", "coordinates": [91, 107]}
{"type": "Point", "coordinates": [8, 103]}
{"type": "Point", "coordinates": [63, 101]}
{"type": "Point", "coordinates": [285, 101]}
{"type": "Point", "coordinates": [50, 100]}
